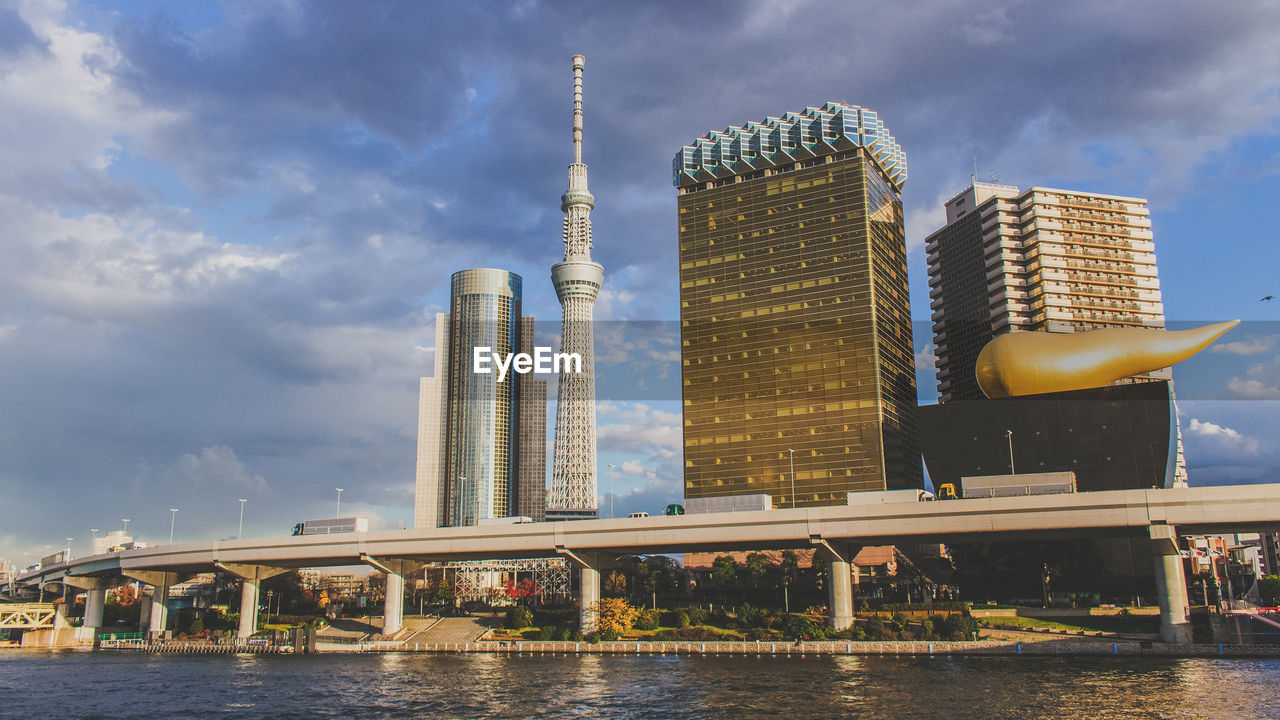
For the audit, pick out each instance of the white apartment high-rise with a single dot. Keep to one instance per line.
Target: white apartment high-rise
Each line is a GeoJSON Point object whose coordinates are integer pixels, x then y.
{"type": "Point", "coordinates": [1036, 260]}
{"type": "Point", "coordinates": [1044, 260]}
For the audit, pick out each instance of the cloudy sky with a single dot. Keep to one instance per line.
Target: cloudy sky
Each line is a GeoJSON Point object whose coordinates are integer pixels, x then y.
{"type": "Point", "coordinates": [226, 227]}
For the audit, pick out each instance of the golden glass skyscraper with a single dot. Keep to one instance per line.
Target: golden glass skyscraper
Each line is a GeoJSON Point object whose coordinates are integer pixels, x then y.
{"type": "Point", "coordinates": [796, 349]}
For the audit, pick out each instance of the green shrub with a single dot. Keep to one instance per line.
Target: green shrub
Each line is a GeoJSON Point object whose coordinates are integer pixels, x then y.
{"type": "Point", "coordinates": [547, 632]}
{"type": "Point", "coordinates": [694, 634]}
{"type": "Point", "coordinates": [961, 627]}
{"type": "Point", "coordinates": [683, 620]}
{"type": "Point", "coordinates": [899, 622]}
{"type": "Point", "coordinates": [753, 617]}
{"type": "Point", "coordinates": [646, 620]}
{"type": "Point", "coordinates": [697, 615]}
{"type": "Point", "coordinates": [797, 626]}
{"type": "Point", "coordinates": [876, 629]}
{"type": "Point", "coordinates": [519, 617]}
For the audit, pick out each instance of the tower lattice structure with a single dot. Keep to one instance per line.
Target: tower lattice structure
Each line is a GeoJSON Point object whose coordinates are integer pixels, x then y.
{"type": "Point", "coordinates": [577, 281]}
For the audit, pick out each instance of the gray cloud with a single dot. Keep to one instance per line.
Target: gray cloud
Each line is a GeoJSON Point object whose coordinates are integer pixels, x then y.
{"type": "Point", "coordinates": [234, 237]}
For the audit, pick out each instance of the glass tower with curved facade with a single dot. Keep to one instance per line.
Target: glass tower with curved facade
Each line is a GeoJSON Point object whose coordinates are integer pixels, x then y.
{"type": "Point", "coordinates": [479, 454]}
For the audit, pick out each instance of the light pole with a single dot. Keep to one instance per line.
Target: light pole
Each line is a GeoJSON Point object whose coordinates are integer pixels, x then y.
{"type": "Point", "coordinates": [173, 516]}
{"type": "Point", "coordinates": [612, 470]}
{"type": "Point", "coordinates": [126, 525]}
{"type": "Point", "coordinates": [337, 511]}
{"type": "Point", "coordinates": [240, 532]}
{"type": "Point", "coordinates": [1009, 434]}
{"type": "Point", "coordinates": [94, 541]}
{"type": "Point", "coordinates": [68, 557]}
{"type": "Point", "coordinates": [792, 453]}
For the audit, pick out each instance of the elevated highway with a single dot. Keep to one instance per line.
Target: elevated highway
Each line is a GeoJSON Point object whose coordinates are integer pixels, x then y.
{"type": "Point", "coordinates": [1159, 515]}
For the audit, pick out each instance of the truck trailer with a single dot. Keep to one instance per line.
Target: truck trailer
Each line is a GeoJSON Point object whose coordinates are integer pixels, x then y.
{"type": "Point", "coordinates": [728, 503]}
{"type": "Point", "coordinates": [888, 497]}
{"type": "Point", "coordinates": [328, 526]}
{"type": "Point", "coordinates": [988, 486]}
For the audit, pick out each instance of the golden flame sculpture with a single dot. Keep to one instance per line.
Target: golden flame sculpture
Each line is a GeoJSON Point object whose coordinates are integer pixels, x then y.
{"type": "Point", "coordinates": [1030, 363]}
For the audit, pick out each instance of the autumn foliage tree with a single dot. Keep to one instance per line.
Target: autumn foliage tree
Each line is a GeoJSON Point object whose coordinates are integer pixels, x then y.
{"type": "Point", "coordinates": [523, 591]}
{"type": "Point", "coordinates": [614, 616]}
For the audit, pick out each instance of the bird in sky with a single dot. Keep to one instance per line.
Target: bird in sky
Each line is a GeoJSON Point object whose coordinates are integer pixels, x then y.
{"type": "Point", "coordinates": [1269, 297]}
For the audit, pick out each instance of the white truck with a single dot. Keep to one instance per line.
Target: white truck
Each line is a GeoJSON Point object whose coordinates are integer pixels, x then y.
{"type": "Point", "coordinates": [889, 497]}
{"type": "Point", "coordinates": [989, 486]}
{"type": "Point", "coordinates": [510, 520]}
{"type": "Point", "coordinates": [328, 526]}
{"type": "Point", "coordinates": [728, 503]}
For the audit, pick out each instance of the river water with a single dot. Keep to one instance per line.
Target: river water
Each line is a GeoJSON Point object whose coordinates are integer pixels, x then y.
{"type": "Point", "coordinates": [126, 685]}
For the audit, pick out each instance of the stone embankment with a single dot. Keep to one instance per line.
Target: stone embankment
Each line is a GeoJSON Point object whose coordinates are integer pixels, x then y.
{"type": "Point", "coordinates": [762, 648]}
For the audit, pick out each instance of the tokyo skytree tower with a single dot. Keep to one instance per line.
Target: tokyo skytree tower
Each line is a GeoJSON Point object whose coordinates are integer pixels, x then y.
{"type": "Point", "coordinates": [577, 281]}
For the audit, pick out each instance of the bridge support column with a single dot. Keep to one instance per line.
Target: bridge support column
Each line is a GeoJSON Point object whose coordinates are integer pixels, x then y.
{"type": "Point", "coordinates": [1171, 585]}
{"type": "Point", "coordinates": [393, 604]}
{"type": "Point", "coordinates": [154, 619]}
{"type": "Point", "coordinates": [588, 565]}
{"type": "Point", "coordinates": [839, 581]}
{"type": "Point", "coordinates": [251, 577]}
{"type": "Point", "coordinates": [95, 598]}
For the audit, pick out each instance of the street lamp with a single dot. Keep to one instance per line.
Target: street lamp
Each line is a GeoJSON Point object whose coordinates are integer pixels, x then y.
{"type": "Point", "coordinates": [126, 525]}
{"type": "Point", "coordinates": [1009, 434]}
{"type": "Point", "coordinates": [68, 557]}
{"type": "Point", "coordinates": [792, 453]}
{"type": "Point", "coordinates": [240, 532]}
{"type": "Point", "coordinates": [94, 541]}
{"type": "Point", "coordinates": [612, 469]}
{"type": "Point", "coordinates": [337, 511]}
{"type": "Point", "coordinates": [173, 516]}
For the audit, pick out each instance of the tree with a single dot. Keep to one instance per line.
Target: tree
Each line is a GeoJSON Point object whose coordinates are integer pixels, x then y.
{"type": "Point", "coordinates": [615, 584]}
{"type": "Point", "coordinates": [1269, 590]}
{"type": "Point", "coordinates": [287, 590]}
{"type": "Point", "coordinates": [441, 592]}
{"type": "Point", "coordinates": [614, 615]}
{"type": "Point", "coordinates": [519, 617]}
{"type": "Point", "coordinates": [790, 570]}
{"type": "Point", "coordinates": [757, 571]}
{"type": "Point", "coordinates": [723, 580]}
{"type": "Point", "coordinates": [523, 591]}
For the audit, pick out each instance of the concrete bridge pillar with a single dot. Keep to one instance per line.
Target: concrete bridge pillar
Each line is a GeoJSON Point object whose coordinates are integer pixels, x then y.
{"type": "Point", "coordinates": [588, 565]}
{"type": "Point", "coordinates": [95, 600]}
{"type": "Point", "coordinates": [1171, 585]}
{"type": "Point", "coordinates": [95, 589]}
{"type": "Point", "coordinates": [393, 605]}
{"type": "Point", "coordinates": [154, 619]}
{"type": "Point", "coordinates": [839, 581]}
{"type": "Point", "coordinates": [251, 577]}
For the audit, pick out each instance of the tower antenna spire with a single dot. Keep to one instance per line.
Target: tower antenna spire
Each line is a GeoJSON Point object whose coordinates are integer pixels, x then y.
{"type": "Point", "coordinates": [578, 63]}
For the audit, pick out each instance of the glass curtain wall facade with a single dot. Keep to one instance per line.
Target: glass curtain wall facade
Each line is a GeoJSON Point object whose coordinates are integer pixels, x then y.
{"type": "Point", "coordinates": [795, 323]}
{"type": "Point", "coordinates": [532, 491]}
{"type": "Point", "coordinates": [482, 414]}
